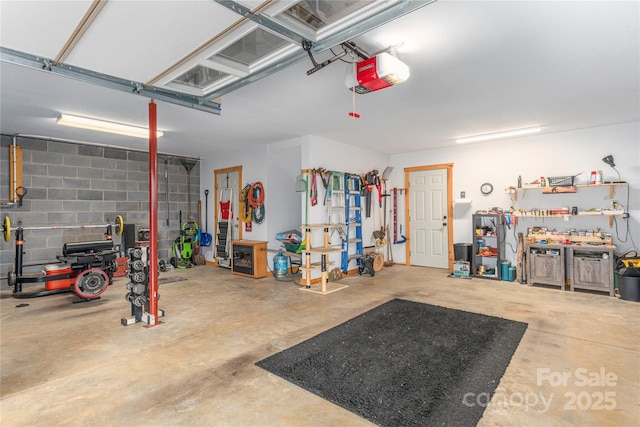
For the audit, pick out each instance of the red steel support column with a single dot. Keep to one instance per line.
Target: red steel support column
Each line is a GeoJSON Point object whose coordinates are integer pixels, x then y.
{"type": "Point", "coordinates": [153, 213]}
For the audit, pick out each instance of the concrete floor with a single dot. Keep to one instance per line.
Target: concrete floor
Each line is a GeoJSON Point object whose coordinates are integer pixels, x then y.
{"type": "Point", "coordinates": [75, 365]}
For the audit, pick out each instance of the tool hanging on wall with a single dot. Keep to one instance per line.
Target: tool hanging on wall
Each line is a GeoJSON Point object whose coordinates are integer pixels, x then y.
{"type": "Point", "coordinates": [256, 201]}
{"type": "Point", "coordinates": [379, 234]}
{"type": "Point", "coordinates": [403, 238]}
{"type": "Point", "coordinates": [395, 215]}
{"type": "Point", "coordinates": [245, 208]}
{"type": "Point", "coordinates": [325, 176]}
{"type": "Point", "coordinates": [15, 171]}
{"type": "Point", "coordinates": [188, 165]}
{"type": "Point", "coordinates": [301, 184]}
{"type": "Point", "coordinates": [368, 182]}
{"type": "Point", "coordinates": [166, 186]}
{"type": "Point", "coordinates": [307, 194]}
{"type": "Point", "coordinates": [198, 258]}
{"type": "Point", "coordinates": [206, 238]}
{"type": "Point", "coordinates": [20, 193]}
{"type": "Point", "coordinates": [314, 189]}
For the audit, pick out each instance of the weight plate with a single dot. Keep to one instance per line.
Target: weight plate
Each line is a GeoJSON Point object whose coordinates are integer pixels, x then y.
{"type": "Point", "coordinates": [91, 283]}
{"type": "Point", "coordinates": [6, 225]}
{"type": "Point", "coordinates": [120, 225]}
{"type": "Point", "coordinates": [138, 289]}
{"type": "Point", "coordinates": [11, 278]}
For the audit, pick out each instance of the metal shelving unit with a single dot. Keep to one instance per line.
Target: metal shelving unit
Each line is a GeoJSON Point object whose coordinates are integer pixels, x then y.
{"type": "Point", "coordinates": [488, 246]}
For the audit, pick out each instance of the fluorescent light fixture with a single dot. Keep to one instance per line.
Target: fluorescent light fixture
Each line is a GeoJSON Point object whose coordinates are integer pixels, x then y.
{"type": "Point", "coordinates": [104, 126]}
{"type": "Point", "coordinates": [505, 134]}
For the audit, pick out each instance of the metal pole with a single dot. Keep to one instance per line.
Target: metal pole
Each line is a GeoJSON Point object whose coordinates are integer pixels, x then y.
{"type": "Point", "coordinates": [17, 287]}
{"type": "Point", "coordinates": [64, 227]}
{"type": "Point", "coordinates": [153, 213]}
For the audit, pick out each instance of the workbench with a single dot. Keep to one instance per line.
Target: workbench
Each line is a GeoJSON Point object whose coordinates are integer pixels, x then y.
{"type": "Point", "coordinates": [583, 263]}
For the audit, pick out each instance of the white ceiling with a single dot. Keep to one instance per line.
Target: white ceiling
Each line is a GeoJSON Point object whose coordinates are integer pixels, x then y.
{"type": "Point", "coordinates": [476, 67]}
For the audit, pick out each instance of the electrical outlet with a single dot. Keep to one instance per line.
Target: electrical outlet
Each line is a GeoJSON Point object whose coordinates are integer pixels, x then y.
{"type": "Point", "coordinates": [462, 194]}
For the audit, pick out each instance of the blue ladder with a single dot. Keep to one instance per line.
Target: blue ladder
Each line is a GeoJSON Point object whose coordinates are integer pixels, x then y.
{"type": "Point", "coordinates": [352, 242]}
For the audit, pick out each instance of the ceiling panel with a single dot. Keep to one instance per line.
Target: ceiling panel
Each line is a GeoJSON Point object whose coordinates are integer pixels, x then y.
{"type": "Point", "coordinates": [476, 67]}
{"type": "Point", "coordinates": [39, 27]}
{"type": "Point", "coordinates": [139, 39]}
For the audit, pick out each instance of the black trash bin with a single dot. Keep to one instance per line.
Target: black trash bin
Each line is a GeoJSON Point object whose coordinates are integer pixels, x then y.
{"type": "Point", "coordinates": [629, 283]}
{"type": "Point", "coordinates": [462, 251]}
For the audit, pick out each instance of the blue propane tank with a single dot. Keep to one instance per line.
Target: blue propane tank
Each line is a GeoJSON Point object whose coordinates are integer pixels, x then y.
{"type": "Point", "coordinates": [280, 265]}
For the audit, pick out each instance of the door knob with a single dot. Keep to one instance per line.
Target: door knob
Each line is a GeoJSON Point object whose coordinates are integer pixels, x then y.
{"type": "Point", "coordinates": [444, 224]}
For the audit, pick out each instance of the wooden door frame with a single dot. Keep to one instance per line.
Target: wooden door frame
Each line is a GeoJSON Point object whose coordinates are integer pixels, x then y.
{"type": "Point", "coordinates": [407, 201]}
{"type": "Point", "coordinates": [217, 172]}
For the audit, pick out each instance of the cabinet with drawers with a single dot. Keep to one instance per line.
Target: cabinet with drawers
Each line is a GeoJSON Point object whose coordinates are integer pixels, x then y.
{"type": "Point", "coordinates": [546, 264]}
{"type": "Point", "coordinates": [582, 265]}
{"type": "Point", "coordinates": [591, 268]}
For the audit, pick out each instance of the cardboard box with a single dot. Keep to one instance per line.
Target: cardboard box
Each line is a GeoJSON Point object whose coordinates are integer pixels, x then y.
{"type": "Point", "coordinates": [461, 269]}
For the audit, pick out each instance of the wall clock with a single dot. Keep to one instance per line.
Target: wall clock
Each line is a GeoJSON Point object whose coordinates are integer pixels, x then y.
{"type": "Point", "coordinates": [486, 188]}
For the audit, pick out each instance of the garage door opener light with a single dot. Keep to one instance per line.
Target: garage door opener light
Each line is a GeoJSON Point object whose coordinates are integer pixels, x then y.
{"type": "Point", "coordinates": [496, 135]}
{"type": "Point", "coordinates": [104, 126]}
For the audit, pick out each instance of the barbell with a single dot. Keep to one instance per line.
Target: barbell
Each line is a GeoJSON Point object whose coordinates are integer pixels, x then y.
{"type": "Point", "coordinates": [6, 227]}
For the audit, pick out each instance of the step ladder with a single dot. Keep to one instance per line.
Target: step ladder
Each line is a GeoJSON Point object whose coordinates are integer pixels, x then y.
{"type": "Point", "coordinates": [336, 203]}
{"type": "Point", "coordinates": [352, 241]}
{"type": "Point", "coordinates": [224, 227]}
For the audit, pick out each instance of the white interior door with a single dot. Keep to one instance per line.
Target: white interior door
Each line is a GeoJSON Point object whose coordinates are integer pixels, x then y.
{"type": "Point", "coordinates": [429, 237]}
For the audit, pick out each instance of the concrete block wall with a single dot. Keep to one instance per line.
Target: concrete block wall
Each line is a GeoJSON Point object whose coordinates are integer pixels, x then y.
{"type": "Point", "coordinates": [74, 184]}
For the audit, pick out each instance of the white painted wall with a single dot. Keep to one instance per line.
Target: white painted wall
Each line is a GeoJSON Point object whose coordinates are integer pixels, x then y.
{"type": "Point", "coordinates": [282, 207]}
{"type": "Point", "coordinates": [254, 168]}
{"type": "Point", "coordinates": [499, 163]}
{"type": "Point", "coordinates": [559, 154]}
{"type": "Point", "coordinates": [336, 156]}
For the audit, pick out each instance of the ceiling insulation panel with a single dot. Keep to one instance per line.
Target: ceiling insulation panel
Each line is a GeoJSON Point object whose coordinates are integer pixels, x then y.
{"type": "Point", "coordinates": [39, 27]}
{"type": "Point", "coordinates": [138, 40]}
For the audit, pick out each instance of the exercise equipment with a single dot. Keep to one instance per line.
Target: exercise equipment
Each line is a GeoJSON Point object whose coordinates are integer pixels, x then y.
{"type": "Point", "coordinates": [84, 268]}
{"type": "Point", "coordinates": [138, 287]}
{"type": "Point", "coordinates": [7, 229]}
{"type": "Point", "coordinates": [183, 247]}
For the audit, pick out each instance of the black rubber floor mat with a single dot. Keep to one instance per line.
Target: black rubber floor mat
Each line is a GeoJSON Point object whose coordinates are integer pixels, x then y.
{"type": "Point", "coordinates": [405, 363]}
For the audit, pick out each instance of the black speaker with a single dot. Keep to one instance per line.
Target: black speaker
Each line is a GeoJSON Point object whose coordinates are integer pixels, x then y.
{"type": "Point", "coordinates": [129, 237]}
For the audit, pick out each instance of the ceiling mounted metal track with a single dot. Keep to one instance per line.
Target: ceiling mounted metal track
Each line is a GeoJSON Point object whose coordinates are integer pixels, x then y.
{"type": "Point", "coordinates": [111, 82]}
{"type": "Point", "coordinates": [263, 21]}
{"type": "Point", "coordinates": [393, 12]}
{"type": "Point", "coordinates": [205, 102]}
